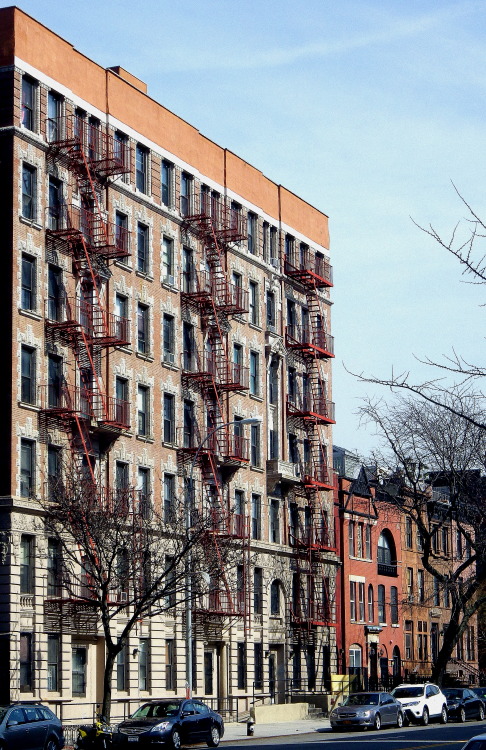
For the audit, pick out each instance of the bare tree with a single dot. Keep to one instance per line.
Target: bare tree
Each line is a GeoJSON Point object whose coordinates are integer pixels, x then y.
{"type": "Point", "coordinates": [122, 559]}
{"type": "Point", "coordinates": [423, 444]}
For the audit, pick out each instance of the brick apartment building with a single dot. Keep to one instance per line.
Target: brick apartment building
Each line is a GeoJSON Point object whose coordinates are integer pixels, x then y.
{"type": "Point", "coordinates": [200, 293]}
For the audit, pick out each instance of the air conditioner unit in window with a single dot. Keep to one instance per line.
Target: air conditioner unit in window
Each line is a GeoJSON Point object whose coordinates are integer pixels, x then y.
{"type": "Point", "coordinates": [274, 262]}
{"type": "Point", "coordinates": [169, 357]}
{"type": "Point", "coordinates": [169, 279]}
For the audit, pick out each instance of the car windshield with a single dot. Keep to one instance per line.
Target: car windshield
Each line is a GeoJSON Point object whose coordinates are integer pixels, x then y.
{"type": "Point", "coordinates": [362, 699]}
{"type": "Point", "coordinates": [480, 691]}
{"type": "Point", "coordinates": [412, 691]}
{"type": "Point", "coordinates": [452, 693]}
{"type": "Point", "coordinates": [157, 710]}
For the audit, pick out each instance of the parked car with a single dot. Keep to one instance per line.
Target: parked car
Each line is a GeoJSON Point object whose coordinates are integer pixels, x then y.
{"type": "Point", "coordinates": [476, 743]}
{"type": "Point", "coordinates": [480, 692]}
{"type": "Point", "coordinates": [422, 702]}
{"type": "Point", "coordinates": [463, 704]}
{"type": "Point", "coordinates": [367, 710]}
{"type": "Point", "coordinates": [173, 722]}
{"type": "Point", "coordinates": [30, 726]}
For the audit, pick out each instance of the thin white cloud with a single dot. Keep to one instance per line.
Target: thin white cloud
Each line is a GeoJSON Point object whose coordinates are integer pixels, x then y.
{"type": "Point", "coordinates": [394, 30]}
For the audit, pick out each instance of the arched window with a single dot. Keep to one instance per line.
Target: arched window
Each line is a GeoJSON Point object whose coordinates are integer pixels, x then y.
{"type": "Point", "coordinates": [384, 549]}
{"type": "Point", "coordinates": [354, 657]}
{"type": "Point", "coordinates": [371, 604]}
{"type": "Point", "coordinates": [381, 604]}
{"type": "Point", "coordinates": [275, 598]}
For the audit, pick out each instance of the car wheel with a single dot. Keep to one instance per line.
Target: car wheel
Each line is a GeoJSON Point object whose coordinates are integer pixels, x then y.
{"type": "Point", "coordinates": [425, 716]}
{"type": "Point", "coordinates": [399, 720]}
{"type": "Point", "coordinates": [481, 713]}
{"type": "Point", "coordinates": [214, 737]}
{"type": "Point", "coordinates": [175, 740]}
{"type": "Point", "coordinates": [444, 716]}
{"type": "Point", "coordinates": [462, 715]}
{"type": "Point", "coordinates": [377, 724]}
{"type": "Point", "coordinates": [52, 745]}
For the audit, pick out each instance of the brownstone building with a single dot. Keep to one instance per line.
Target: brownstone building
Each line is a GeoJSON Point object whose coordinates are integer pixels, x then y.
{"type": "Point", "coordinates": [156, 286]}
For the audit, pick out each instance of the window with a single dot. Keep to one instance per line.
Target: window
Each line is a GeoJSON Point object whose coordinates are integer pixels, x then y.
{"type": "Point", "coordinates": [352, 600]}
{"type": "Point", "coordinates": [394, 605]}
{"type": "Point", "coordinates": [384, 550]}
{"type": "Point", "coordinates": [142, 248]}
{"type": "Point", "coordinates": [371, 604]}
{"type": "Point", "coordinates": [53, 568]}
{"type": "Point", "coordinates": [141, 169]}
{"type": "Point", "coordinates": [170, 665]}
{"type": "Point", "coordinates": [445, 540]}
{"type": "Point", "coordinates": [122, 406]}
{"type": "Point", "coordinates": [168, 339]}
{"type": "Point", "coordinates": [361, 601]}
{"type": "Point", "coordinates": [422, 650]}
{"type": "Point", "coordinates": [143, 664]}
{"type": "Point", "coordinates": [29, 190]}
{"type": "Point", "coordinates": [252, 233]}
{"type": "Point", "coordinates": [359, 540]}
{"type": "Point", "coordinates": [408, 639]}
{"type": "Point", "coordinates": [121, 234]}
{"type": "Point", "coordinates": [271, 314]}
{"type": "Point", "coordinates": [273, 247]}
{"type": "Point", "coordinates": [241, 665]}
{"type": "Point", "coordinates": [274, 521]}
{"type": "Point", "coordinates": [436, 596]}
{"type": "Point", "coordinates": [258, 591]}
{"type": "Point", "coordinates": [410, 584]}
{"type": "Point", "coordinates": [166, 178]}
{"type": "Point", "coordinates": [237, 361]}
{"type": "Point", "coordinates": [78, 671]}
{"type": "Point", "coordinates": [144, 492]}
{"type": "Point", "coordinates": [254, 373]}
{"type": "Point", "coordinates": [56, 216]}
{"type": "Point", "coordinates": [169, 418]}
{"type": "Point", "coordinates": [143, 337]}
{"type": "Point", "coordinates": [275, 598]}
{"type": "Point", "coordinates": [258, 665]}
{"type": "Point", "coordinates": [256, 516]}
{"type": "Point", "coordinates": [143, 403]}
{"type": "Point", "coordinates": [381, 604]}
{"type": "Point", "coordinates": [459, 546]}
{"type": "Point", "coordinates": [29, 96]}
{"type": "Point", "coordinates": [53, 663]}
{"type": "Point", "coordinates": [470, 643]}
{"type": "Point", "coordinates": [26, 671]}
{"type": "Point", "coordinates": [54, 109]}
{"type": "Point", "coordinates": [186, 193]}
{"type": "Point", "coordinates": [28, 296]}
{"type": "Point", "coordinates": [254, 316]}
{"type": "Point", "coordinates": [188, 270]}
{"type": "Point", "coordinates": [293, 449]}
{"type": "Point", "coordinates": [420, 586]}
{"type": "Point", "coordinates": [121, 152]}
{"type": "Point", "coordinates": [408, 532]}
{"type": "Point", "coordinates": [351, 526]}
{"type": "Point", "coordinates": [255, 445]}
{"type": "Point", "coordinates": [460, 648]}
{"type": "Point", "coordinates": [27, 377]}
{"type": "Point", "coordinates": [27, 464]}
{"type": "Point", "coordinates": [168, 261]}
{"type": "Point", "coordinates": [188, 427]}
{"type": "Point", "coordinates": [27, 564]}
{"type": "Point", "coordinates": [273, 381]}
{"type": "Point", "coordinates": [121, 312]}
{"type": "Point", "coordinates": [121, 669]}
{"type": "Point", "coordinates": [54, 293]}
{"type": "Point", "coordinates": [368, 541]}
{"type": "Point", "coordinates": [169, 497]}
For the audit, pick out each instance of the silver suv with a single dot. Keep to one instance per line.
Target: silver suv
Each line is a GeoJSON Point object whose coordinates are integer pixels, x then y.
{"type": "Point", "coordinates": [422, 702]}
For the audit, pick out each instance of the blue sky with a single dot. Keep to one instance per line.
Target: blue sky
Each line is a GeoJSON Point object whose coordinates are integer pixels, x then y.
{"type": "Point", "coordinates": [367, 110]}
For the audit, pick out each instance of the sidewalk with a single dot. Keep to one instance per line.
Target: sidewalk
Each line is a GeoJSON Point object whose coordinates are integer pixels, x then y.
{"type": "Point", "coordinates": [234, 731]}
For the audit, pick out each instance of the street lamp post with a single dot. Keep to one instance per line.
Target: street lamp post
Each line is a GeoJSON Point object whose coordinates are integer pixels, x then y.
{"type": "Point", "coordinates": [189, 634]}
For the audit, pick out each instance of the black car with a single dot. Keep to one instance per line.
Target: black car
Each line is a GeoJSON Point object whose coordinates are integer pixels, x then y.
{"type": "Point", "coordinates": [29, 726]}
{"type": "Point", "coordinates": [463, 704]}
{"type": "Point", "coordinates": [173, 722]}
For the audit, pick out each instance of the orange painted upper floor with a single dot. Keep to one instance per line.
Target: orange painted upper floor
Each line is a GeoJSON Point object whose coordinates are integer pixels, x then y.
{"type": "Point", "coordinates": [124, 97]}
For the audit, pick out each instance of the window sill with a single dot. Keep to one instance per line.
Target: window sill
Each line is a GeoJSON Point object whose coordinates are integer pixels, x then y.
{"type": "Point", "coordinates": [30, 407]}
{"type": "Point", "coordinates": [145, 438]}
{"type": "Point", "coordinates": [395, 625]}
{"type": "Point", "coordinates": [169, 287]}
{"type": "Point", "coordinates": [122, 265]}
{"type": "Point", "coordinates": [255, 397]}
{"type": "Point", "coordinates": [168, 444]}
{"type": "Point", "coordinates": [146, 357]}
{"type": "Point", "coordinates": [29, 314]}
{"type": "Point", "coordinates": [257, 469]}
{"type": "Point", "coordinates": [30, 223]}
{"type": "Point", "coordinates": [144, 275]}
{"type": "Point", "coordinates": [126, 349]}
{"type": "Point", "coordinates": [255, 326]}
{"type": "Point", "coordinates": [169, 365]}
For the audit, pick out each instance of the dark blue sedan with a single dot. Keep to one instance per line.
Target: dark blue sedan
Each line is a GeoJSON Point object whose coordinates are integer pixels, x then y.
{"type": "Point", "coordinates": [463, 704]}
{"type": "Point", "coordinates": [172, 722]}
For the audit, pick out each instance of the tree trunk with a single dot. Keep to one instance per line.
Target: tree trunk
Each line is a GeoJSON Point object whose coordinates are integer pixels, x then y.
{"type": "Point", "coordinates": [107, 681]}
{"type": "Point", "coordinates": [440, 664]}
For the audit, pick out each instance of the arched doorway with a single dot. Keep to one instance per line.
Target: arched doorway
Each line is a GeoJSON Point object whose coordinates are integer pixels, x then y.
{"type": "Point", "coordinates": [397, 666]}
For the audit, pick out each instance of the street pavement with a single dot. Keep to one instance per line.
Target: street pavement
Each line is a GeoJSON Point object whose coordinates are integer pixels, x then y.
{"type": "Point", "coordinates": [238, 731]}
